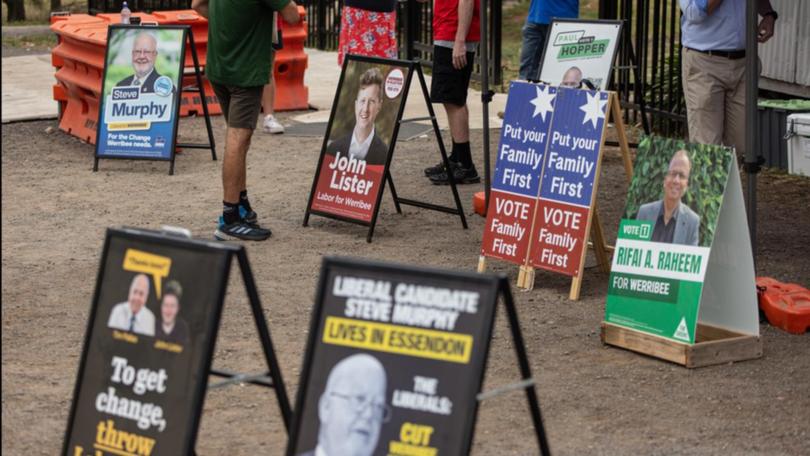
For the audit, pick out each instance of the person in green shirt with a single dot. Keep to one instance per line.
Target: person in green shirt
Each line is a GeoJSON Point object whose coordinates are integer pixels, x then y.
{"type": "Point", "coordinates": [240, 40]}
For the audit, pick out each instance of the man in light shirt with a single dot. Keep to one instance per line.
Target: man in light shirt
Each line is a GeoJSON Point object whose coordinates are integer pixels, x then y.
{"type": "Point", "coordinates": [713, 67]}
{"type": "Point", "coordinates": [144, 54]}
{"type": "Point", "coordinates": [363, 143]}
{"type": "Point", "coordinates": [132, 314]}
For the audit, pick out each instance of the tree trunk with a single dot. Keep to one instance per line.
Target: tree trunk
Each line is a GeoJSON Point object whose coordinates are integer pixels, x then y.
{"type": "Point", "coordinates": [16, 10]}
{"type": "Point", "coordinates": [56, 5]}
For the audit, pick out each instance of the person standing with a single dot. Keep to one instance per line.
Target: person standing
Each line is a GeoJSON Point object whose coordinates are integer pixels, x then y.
{"type": "Point", "coordinates": [240, 39]}
{"type": "Point", "coordinates": [535, 30]}
{"type": "Point", "coordinates": [368, 27]}
{"type": "Point", "coordinates": [456, 32]}
{"type": "Point", "coordinates": [270, 124]}
{"type": "Point", "coordinates": [713, 67]}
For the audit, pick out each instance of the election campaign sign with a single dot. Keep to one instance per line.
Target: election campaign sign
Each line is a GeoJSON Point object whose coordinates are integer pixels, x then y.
{"type": "Point", "coordinates": [140, 92]}
{"type": "Point", "coordinates": [546, 176]}
{"type": "Point", "coordinates": [360, 138]}
{"type": "Point", "coordinates": [387, 347]}
{"type": "Point", "coordinates": [683, 254]}
{"type": "Point", "coordinates": [148, 346]}
{"type": "Point", "coordinates": [580, 53]}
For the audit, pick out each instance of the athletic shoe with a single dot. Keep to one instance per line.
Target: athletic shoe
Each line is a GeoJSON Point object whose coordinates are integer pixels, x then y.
{"type": "Point", "coordinates": [438, 168]}
{"type": "Point", "coordinates": [461, 175]}
{"type": "Point", "coordinates": [271, 125]}
{"type": "Point", "coordinates": [248, 216]}
{"type": "Point", "coordinates": [241, 230]}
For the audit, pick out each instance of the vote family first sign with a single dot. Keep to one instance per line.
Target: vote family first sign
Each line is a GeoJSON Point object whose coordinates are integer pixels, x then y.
{"type": "Point", "coordinates": [546, 176]}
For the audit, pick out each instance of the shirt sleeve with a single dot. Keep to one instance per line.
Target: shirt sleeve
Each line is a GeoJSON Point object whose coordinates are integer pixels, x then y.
{"type": "Point", "coordinates": [694, 10]}
{"type": "Point", "coordinates": [275, 5]}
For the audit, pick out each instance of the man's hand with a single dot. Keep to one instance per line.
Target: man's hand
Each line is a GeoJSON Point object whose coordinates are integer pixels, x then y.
{"type": "Point", "coordinates": [765, 29]}
{"type": "Point", "coordinates": [459, 54]}
{"type": "Point", "coordinates": [290, 13]}
{"type": "Point", "coordinates": [201, 7]}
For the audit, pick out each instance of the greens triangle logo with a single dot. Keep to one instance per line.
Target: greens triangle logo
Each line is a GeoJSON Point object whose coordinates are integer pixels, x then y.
{"type": "Point", "coordinates": [682, 332]}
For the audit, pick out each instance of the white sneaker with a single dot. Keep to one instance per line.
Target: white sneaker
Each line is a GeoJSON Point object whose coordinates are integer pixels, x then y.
{"type": "Point", "coordinates": [272, 126]}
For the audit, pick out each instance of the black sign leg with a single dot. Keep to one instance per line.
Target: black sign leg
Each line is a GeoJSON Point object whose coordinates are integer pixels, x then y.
{"type": "Point", "coordinates": [442, 150]}
{"type": "Point", "coordinates": [171, 166]}
{"type": "Point", "coordinates": [95, 163]}
{"type": "Point", "coordinates": [525, 369]}
{"type": "Point", "coordinates": [203, 99]}
{"type": "Point", "coordinates": [264, 337]}
{"type": "Point", "coordinates": [393, 192]}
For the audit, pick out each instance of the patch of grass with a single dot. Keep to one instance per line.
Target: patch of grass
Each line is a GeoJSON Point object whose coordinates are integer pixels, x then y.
{"type": "Point", "coordinates": [38, 12]}
{"type": "Point", "coordinates": [43, 41]}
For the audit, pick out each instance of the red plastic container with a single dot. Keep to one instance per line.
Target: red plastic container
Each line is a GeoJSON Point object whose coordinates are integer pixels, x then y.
{"type": "Point", "coordinates": [786, 305]}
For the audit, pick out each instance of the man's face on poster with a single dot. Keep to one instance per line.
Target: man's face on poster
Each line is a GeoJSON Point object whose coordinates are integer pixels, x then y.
{"type": "Point", "coordinates": [572, 78]}
{"type": "Point", "coordinates": [144, 53]}
{"type": "Point", "coordinates": [352, 411]}
{"type": "Point", "coordinates": [169, 308]}
{"type": "Point", "coordinates": [367, 106]}
{"type": "Point", "coordinates": [138, 293]}
{"type": "Point", "coordinates": [676, 181]}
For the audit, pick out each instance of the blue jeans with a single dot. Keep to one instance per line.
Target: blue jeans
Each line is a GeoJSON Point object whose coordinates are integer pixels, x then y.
{"type": "Point", "coordinates": [531, 51]}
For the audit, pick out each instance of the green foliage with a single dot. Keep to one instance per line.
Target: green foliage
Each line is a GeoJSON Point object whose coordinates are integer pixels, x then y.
{"type": "Point", "coordinates": [707, 179]}
{"type": "Point", "coordinates": [344, 119]}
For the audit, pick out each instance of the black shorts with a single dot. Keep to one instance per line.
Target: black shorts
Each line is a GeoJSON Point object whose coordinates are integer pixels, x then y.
{"type": "Point", "coordinates": [240, 105]}
{"type": "Point", "coordinates": [448, 84]}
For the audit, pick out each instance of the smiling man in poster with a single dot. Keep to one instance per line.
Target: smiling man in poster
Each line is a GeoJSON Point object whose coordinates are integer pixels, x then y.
{"type": "Point", "coordinates": [363, 143]}
{"type": "Point", "coordinates": [675, 222]}
{"type": "Point", "coordinates": [144, 54]}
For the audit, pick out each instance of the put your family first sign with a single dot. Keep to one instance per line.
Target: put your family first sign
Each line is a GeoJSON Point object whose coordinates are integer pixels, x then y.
{"type": "Point", "coordinates": [546, 175]}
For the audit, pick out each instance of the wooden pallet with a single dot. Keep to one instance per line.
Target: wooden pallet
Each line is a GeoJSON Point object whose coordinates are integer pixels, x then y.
{"type": "Point", "coordinates": [713, 345]}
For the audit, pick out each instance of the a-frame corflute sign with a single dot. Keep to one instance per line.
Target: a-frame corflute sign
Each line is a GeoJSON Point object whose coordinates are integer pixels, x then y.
{"type": "Point", "coordinates": [683, 264]}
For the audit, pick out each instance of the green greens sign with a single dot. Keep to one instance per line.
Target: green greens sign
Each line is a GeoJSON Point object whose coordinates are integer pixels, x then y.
{"type": "Point", "coordinates": [682, 254]}
{"type": "Point", "coordinates": [583, 50]}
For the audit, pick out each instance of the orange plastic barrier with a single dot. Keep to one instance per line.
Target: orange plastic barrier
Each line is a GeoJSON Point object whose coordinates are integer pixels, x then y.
{"type": "Point", "coordinates": [289, 66]}
{"type": "Point", "coordinates": [480, 203]}
{"type": "Point", "coordinates": [786, 305]}
{"type": "Point", "coordinates": [79, 61]}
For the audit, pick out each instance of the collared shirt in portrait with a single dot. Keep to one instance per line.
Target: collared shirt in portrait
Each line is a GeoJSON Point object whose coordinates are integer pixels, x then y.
{"type": "Point", "coordinates": [359, 150]}
{"type": "Point", "coordinates": [665, 232]}
{"type": "Point", "coordinates": [143, 322]}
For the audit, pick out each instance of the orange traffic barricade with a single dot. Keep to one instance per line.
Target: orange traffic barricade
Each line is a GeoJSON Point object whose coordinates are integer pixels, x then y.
{"type": "Point", "coordinates": [786, 305]}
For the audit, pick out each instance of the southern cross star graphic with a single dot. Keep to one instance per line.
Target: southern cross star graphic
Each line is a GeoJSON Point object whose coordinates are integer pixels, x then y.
{"type": "Point", "coordinates": [542, 102]}
{"type": "Point", "coordinates": [594, 109]}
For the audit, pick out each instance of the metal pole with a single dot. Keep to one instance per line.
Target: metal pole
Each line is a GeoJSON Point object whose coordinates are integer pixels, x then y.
{"type": "Point", "coordinates": [486, 97]}
{"type": "Point", "coordinates": [752, 164]}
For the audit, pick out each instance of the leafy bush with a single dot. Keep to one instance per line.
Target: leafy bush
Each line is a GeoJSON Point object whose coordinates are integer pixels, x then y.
{"type": "Point", "coordinates": [707, 179]}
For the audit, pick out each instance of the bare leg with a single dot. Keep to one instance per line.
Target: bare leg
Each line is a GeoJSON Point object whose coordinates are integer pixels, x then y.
{"type": "Point", "coordinates": [269, 96]}
{"type": "Point", "coordinates": [459, 119]}
{"type": "Point", "coordinates": [234, 171]}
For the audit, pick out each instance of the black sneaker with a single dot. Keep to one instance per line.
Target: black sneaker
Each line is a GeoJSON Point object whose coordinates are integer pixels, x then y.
{"type": "Point", "coordinates": [241, 230]}
{"type": "Point", "coordinates": [461, 175]}
{"type": "Point", "coordinates": [247, 215]}
{"type": "Point", "coordinates": [438, 168]}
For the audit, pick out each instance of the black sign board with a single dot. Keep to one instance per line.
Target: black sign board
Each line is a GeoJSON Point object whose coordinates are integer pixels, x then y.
{"type": "Point", "coordinates": [148, 346]}
{"type": "Point", "coordinates": [388, 346]}
{"type": "Point", "coordinates": [355, 160]}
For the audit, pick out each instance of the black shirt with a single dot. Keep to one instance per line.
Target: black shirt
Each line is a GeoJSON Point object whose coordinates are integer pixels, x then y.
{"type": "Point", "coordinates": [665, 232]}
{"type": "Point", "coordinates": [380, 6]}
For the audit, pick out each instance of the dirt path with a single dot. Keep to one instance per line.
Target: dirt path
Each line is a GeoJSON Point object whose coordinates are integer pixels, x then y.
{"type": "Point", "coordinates": [595, 400]}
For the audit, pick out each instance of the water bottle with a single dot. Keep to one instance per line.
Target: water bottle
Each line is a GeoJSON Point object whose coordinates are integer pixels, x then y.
{"type": "Point", "coordinates": [125, 14]}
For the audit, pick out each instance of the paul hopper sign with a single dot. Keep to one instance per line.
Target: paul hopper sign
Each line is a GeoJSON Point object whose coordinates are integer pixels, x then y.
{"type": "Point", "coordinates": [546, 175]}
{"type": "Point", "coordinates": [147, 348]}
{"type": "Point", "coordinates": [387, 348]}
{"type": "Point", "coordinates": [138, 116]}
{"type": "Point", "coordinates": [351, 169]}
{"type": "Point", "coordinates": [580, 54]}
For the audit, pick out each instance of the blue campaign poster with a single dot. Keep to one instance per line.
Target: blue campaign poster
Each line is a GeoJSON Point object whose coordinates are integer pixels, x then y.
{"type": "Point", "coordinates": [140, 92]}
{"type": "Point", "coordinates": [574, 143]}
{"type": "Point", "coordinates": [524, 136]}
